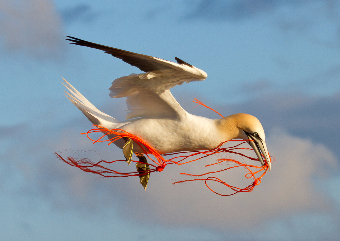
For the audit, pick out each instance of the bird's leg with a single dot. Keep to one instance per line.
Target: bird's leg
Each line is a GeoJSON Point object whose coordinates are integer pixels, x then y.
{"type": "Point", "coordinates": [143, 169]}
{"type": "Point", "coordinates": [128, 149]}
{"type": "Point", "coordinates": [142, 165]}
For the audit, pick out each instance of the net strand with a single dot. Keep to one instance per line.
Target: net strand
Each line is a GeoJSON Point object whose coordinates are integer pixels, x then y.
{"type": "Point", "coordinates": [159, 161]}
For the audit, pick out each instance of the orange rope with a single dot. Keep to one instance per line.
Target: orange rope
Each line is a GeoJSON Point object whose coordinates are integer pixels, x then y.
{"type": "Point", "coordinates": [200, 103]}
{"type": "Point", "coordinates": [178, 158]}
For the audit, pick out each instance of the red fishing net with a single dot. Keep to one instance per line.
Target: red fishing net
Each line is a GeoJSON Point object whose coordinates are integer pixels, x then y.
{"type": "Point", "coordinates": [222, 159]}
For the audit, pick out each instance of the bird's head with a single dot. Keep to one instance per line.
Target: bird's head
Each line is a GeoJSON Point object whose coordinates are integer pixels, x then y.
{"type": "Point", "coordinates": [249, 128]}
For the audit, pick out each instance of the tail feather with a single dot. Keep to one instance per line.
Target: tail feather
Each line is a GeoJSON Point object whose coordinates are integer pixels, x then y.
{"type": "Point", "coordinates": [96, 116]}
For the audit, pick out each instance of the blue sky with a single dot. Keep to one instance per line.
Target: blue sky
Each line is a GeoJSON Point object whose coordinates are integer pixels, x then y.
{"type": "Point", "coordinates": [277, 60]}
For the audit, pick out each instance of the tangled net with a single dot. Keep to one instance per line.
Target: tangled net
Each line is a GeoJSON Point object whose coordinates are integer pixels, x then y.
{"type": "Point", "coordinates": [159, 161]}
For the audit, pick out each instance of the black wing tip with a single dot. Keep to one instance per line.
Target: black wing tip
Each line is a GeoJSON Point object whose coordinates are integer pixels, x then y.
{"type": "Point", "coordinates": [70, 38]}
{"type": "Point", "coordinates": [81, 42]}
{"type": "Point", "coordinates": [74, 40]}
{"type": "Point", "coordinates": [179, 61]}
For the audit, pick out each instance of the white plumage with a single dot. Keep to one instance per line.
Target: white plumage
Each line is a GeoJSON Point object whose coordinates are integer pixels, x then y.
{"type": "Point", "coordinates": [154, 114]}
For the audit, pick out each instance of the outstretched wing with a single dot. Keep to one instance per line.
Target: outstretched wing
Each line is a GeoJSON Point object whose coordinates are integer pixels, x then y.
{"type": "Point", "coordinates": [148, 93]}
{"type": "Point", "coordinates": [143, 62]}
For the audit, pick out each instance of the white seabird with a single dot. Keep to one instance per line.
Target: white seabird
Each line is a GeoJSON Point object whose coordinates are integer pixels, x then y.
{"type": "Point", "coordinates": [155, 116]}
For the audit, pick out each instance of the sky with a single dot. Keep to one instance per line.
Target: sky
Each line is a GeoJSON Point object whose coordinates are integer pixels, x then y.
{"type": "Point", "coordinates": [277, 60]}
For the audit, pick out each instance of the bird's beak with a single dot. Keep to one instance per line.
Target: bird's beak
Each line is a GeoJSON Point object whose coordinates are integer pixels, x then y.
{"type": "Point", "coordinates": [260, 149]}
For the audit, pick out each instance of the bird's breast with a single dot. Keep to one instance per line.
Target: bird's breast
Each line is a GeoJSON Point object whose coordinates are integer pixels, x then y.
{"type": "Point", "coordinates": [167, 135]}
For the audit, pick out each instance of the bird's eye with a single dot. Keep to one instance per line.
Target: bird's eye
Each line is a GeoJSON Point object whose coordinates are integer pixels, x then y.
{"type": "Point", "coordinates": [255, 134]}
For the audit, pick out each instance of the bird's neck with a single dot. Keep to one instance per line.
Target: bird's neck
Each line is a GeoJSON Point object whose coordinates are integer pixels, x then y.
{"type": "Point", "coordinates": [228, 127]}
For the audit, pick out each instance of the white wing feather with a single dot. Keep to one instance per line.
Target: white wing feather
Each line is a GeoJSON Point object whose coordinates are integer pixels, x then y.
{"type": "Point", "coordinates": [148, 104]}
{"type": "Point", "coordinates": [148, 94]}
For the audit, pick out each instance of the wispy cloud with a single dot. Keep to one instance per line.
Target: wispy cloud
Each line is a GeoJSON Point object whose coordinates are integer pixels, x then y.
{"type": "Point", "coordinates": [80, 12]}
{"type": "Point", "coordinates": [314, 118]}
{"type": "Point", "coordinates": [32, 27]}
{"type": "Point", "coordinates": [289, 189]}
{"type": "Point", "coordinates": [12, 130]}
{"type": "Point", "coordinates": [305, 17]}
{"type": "Point", "coordinates": [317, 20]}
{"type": "Point", "coordinates": [236, 9]}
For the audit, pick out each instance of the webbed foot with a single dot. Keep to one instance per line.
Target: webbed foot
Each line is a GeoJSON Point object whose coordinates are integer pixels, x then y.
{"type": "Point", "coordinates": [144, 170]}
{"type": "Point", "coordinates": [128, 150]}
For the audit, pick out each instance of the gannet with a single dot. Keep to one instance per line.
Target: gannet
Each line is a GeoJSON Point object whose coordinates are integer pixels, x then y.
{"type": "Point", "coordinates": [155, 116]}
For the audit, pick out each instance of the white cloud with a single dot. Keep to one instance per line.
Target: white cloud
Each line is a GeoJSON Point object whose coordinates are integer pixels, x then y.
{"type": "Point", "coordinates": [288, 189]}
{"type": "Point", "coordinates": [31, 26]}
